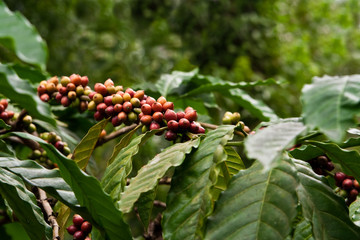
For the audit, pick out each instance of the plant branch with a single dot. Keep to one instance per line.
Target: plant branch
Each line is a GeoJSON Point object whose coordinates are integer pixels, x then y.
{"type": "Point", "coordinates": [213, 126]}
{"type": "Point", "coordinates": [115, 134]}
{"type": "Point", "coordinates": [159, 204]}
{"type": "Point", "coordinates": [50, 213]}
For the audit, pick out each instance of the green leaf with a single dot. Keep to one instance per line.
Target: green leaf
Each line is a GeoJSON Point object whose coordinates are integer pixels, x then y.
{"type": "Point", "coordinates": [88, 192]}
{"type": "Point", "coordinates": [148, 176]}
{"type": "Point", "coordinates": [4, 125]}
{"type": "Point", "coordinates": [13, 231]}
{"type": "Point", "coordinates": [219, 85]}
{"type": "Point", "coordinates": [34, 75]}
{"type": "Point", "coordinates": [349, 159]}
{"type": "Point", "coordinates": [145, 206]}
{"type": "Point", "coordinates": [62, 218]}
{"type": "Point", "coordinates": [114, 179]}
{"type": "Point", "coordinates": [354, 212]}
{"type": "Point", "coordinates": [21, 92]}
{"type": "Point", "coordinates": [268, 144]}
{"type": "Point", "coordinates": [303, 231]}
{"type": "Point", "coordinates": [306, 152]}
{"type": "Point", "coordinates": [331, 103]}
{"type": "Point", "coordinates": [322, 207]}
{"type": "Point", "coordinates": [36, 175]}
{"type": "Point", "coordinates": [84, 149]}
{"type": "Point", "coordinates": [256, 205]}
{"type": "Point", "coordinates": [5, 149]}
{"type": "Point", "coordinates": [189, 199]}
{"type": "Point", "coordinates": [123, 143]}
{"type": "Point", "coordinates": [227, 169]}
{"type": "Point", "coordinates": [25, 40]}
{"type": "Point", "coordinates": [168, 82]}
{"type": "Point", "coordinates": [23, 203]}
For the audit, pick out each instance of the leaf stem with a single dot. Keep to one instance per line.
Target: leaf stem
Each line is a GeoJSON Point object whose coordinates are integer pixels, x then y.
{"type": "Point", "coordinates": [239, 143]}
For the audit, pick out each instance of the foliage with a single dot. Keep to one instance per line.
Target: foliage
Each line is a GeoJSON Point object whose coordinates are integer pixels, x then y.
{"type": "Point", "coordinates": [229, 182]}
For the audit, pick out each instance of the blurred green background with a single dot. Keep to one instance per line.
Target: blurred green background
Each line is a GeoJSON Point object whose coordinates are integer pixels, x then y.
{"type": "Point", "coordinates": [136, 41]}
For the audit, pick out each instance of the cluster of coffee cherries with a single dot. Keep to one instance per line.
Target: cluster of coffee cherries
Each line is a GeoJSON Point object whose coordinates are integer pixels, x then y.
{"type": "Point", "coordinates": [40, 155]}
{"type": "Point", "coordinates": [111, 101]}
{"type": "Point", "coordinates": [5, 115]}
{"type": "Point", "coordinates": [80, 228]}
{"type": "Point", "coordinates": [321, 165]}
{"type": "Point", "coordinates": [348, 187]}
{"type": "Point", "coordinates": [234, 119]}
{"type": "Point", "coordinates": [72, 90]}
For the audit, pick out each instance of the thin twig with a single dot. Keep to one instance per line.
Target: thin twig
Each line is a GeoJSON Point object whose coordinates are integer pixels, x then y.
{"type": "Point", "coordinates": [115, 134]}
{"type": "Point", "coordinates": [50, 214]}
{"type": "Point", "coordinates": [165, 181]}
{"type": "Point", "coordinates": [159, 204]}
{"type": "Point", "coordinates": [213, 126]}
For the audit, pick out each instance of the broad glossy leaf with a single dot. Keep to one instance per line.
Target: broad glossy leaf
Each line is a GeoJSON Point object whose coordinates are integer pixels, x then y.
{"type": "Point", "coordinates": [36, 175]}
{"type": "Point", "coordinates": [84, 149]}
{"type": "Point", "coordinates": [13, 231]}
{"type": "Point", "coordinates": [148, 176]}
{"type": "Point", "coordinates": [23, 203]}
{"type": "Point", "coordinates": [5, 149]}
{"type": "Point", "coordinates": [303, 231]}
{"type": "Point", "coordinates": [34, 75]}
{"type": "Point", "coordinates": [145, 206]}
{"type": "Point", "coordinates": [89, 193]}
{"type": "Point", "coordinates": [21, 92]}
{"type": "Point", "coordinates": [306, 152]}
{"type": "Point", "coordinates": [189, 199]}
{"type": "Point", "coordinates": [25, 40]}
{"type": "Point", "coordinates": [123, 143]}
{"type": "Point", "coordinates": [257, 204]}
{"type": "Point", "coordinates": [268, 144]}
{"type": "Point", "coordinates": [168, 82]}
{"type": "Point", "coordinates": [322, 207]}
{"type": "Point", "coordinates": [114, 179]}
{"type": "Point", "coordinates": [226, 170]}
{"type": "Point", "coordinates": [331, 103]}
{"type": "Point", "coordinates": [354, 212]}
{"type": "Point", "coordinates": [349, 159]}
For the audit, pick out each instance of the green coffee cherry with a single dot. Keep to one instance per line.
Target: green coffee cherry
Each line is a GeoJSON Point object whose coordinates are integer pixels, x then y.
{"type": "Point", "coordinates": [226, 120]}
{"type": "Point", "coordinates": [27, 120]}
{"type": "Point", "coordinates": [235, 118]}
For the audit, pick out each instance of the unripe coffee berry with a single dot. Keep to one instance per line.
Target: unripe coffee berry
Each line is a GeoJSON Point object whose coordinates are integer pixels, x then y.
{"type": "Point", "coordinates": [65, 81]}
{"type": "Point", "coordinates": [111, 89]}
{"type": "Point", "coordinates": [27, 120]}
{"type": "Point", "coordinates": [126, 97]}
{"type": "Point", "coordinates": [132, 117]}
{"type": "Point", "coordinates": [50, 87]}
{"type": "Point", "coordinates": [98, 98]}
{"type": "Point", "coordinates": [91, 106]}
{"type": "Point", "coordinates": [146, 109]}
{"type": "Point", "coordinates": [135, 102]}
{"type": "Point", "coordinates": [117, 98]}
{"type": "Point", "coordinates": [79, 90]}
{"type": "Point", "coordinates": [77, 220]}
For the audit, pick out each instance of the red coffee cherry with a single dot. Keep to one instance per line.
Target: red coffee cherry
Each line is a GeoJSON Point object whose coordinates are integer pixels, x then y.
{"type": "Point", "coordinates": [173, 125]}
{"type": "Point", "coordinates": [154, 125]}
{"type": "Point", "coordinates": [347, 184]}
{"type": "Point", "coordinates": [130, 91]}
{"type": "Point", "coordinates": [100, 88]}
{"type": "Point", "coordinates": [109, 83]}
{"type": "Point", "coordinates": [158, 117]}
{"type": "Point", "coordinates": [146, 109]}
{"type": "Point", "coordinates": [75, 79]}
{"type": "Point", "coordinates": [168, 105]}
{"type": "Point", "coordinates": [84, 81]}
{"type": "Point", "coordinates": [59, 145]}
{"type": "Point", "coordinates": [180, 115]}
{"type": "Point", "coordinates": [170, 115]}
{"type": "Point", "coordinates": [122, 116]}
{"type": "Point", "coordinates": [41, 89]}
{"type": "Point", "coordinates": [98, 116]}
{"type": "Point", "coordinates": [71, 229]}
{"type": "Point", "coordinates": [146, 119]}
{"type": "Point", "coordinates": [70, 87]}
{"type": "Point", "coordinates": [194, 127]}
{"type": "Point", "coordinates": [79, 235]}
{"type": "Point", "coordinates": [108, 100]}
{"type": "Point", "coordinates": [188, 109]}
{"type": "Point", "coordinates": [184, 124]}
{"type": "Point", "coordinates": [65, 101]}
{"type": "Point", "coordinates": [170, 135]}
{"type": "Point", "coordinates": [127, 107]}
{"type": "Point", "coordinates": [101, 107]}
{"type": "Point", "coordinates": [139, 94]}
{"type": "Point", "coordinates": [150, 100]}
{"type": "Point", "coordinates": [161, 100]}
{"type": "Point", "coordinates": [156, 107]}
{"type": "Point", "coordinates": [86, 227]}
{"type": "Point", "coordinates": [117, 108]}
{"type": "Point", "coordinates": [191, 115]}
{"type": "Point", "coordinates": [77, 220]}
{"type": "Point", "coordinates": [45, 97]}
{"type": "Point", "coordinates": [4, 102]}
{"type": "Point", "coordinates": [115, 121]}
{"type": "Point", "coordinates": [201, 130]}
{"type": "Point", "coordinates": [339, 178]}
{"type": "Point", "coordinates": [110, 111]}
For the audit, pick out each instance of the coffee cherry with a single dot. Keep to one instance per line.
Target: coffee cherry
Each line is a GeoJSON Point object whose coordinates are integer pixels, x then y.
{"type": "Point", "coordinates": [170, 135]}
{"type": "Point", "coordinates": [154, 125]}
{"type": "Point", "coordinates": [356, 184]}
{"type": "Point", "coordinates": [127, 107]}
{"type": "Point", "coordinates": [188, 109]}
{"type": "Point", "coordinates": [122, 116]}
{"type": "Point", "coordinates": [194, 127]}
{"type": "Point", "coordinates": [339, 178]}
{"type": "Point", "coordinates": [4, 102]}
{"type": "Point", "coordinates": [91, 95]}
{"type": "Point", "coordinates": [150, 100]}
{"type": "Point", "coordinates": [75, 79]}
{"type": "Point", "coordinates": [168, 105]}
{"type": "Point", "coordinates": [173, 125]}
{"type": "Point", "coordinates": [117, 108]}
{"type": "Point", "coordinates": [109, 111]}
{"type": "Point", "coordinates": [347, 184]}
{"type": "Point", "coordinates": [27, 120]}
{"type": "Point", "coordinates": [77, 220]}
{"type": "Point", "coordinates": [65, 81]}
{"type": "Point", "coordinates": [117, 99]}
{"type": "Point", "coordinates": [146, 119]}
{"type": "Point", "coordinates": [132, 117]}
{"type": "Point", "coordinates": [144, 129]}
{"type": "Point", "coordinates": [101, 107]}
{"type": "Point", "coordinates": [100, 88]}
{"type": "Point", "coordinates": [103, 133]}
{"type": "Point", "coordinates": [126, 97]}
{"type": "Point", "coordinates": [115, 121]}
{"type": "Point", "coordinates": [201, 130]}
{"type": "Point", "coordinates": [161, 100]}
{"type": "Point", "coordinates": [329, 166]}
{"type": "Point", "coordinates": [135, 102]}
{"type": "Point", "coordinates": [109, 83]}
{"type": "Point", "coordinates": [83, 106]}
{"type": "Point", "coordinates": [70, 87]}
{"type": "Point", "coordinates": [158, 117]}
{"type": "Point", "coordinates": [59, 145]}
{"type": "Point", "coordinates": [184, 124]}
{"type": "Point", "coordinates": [58, 97]}
{"type": "Point", "coordinates": [226, 120]}
{"type": "Point", "coordinates": [41, 89]}
{"type": "Point", "coordinates": [86, 227]}
{"type": "Point", "coordinates": [10, 114]}
{"type": "Point", "coordinates": [51, 87]}
{"type": "Point", "coordinates": [191, 115]}
{"type": "Point", "coordinates": [170, 115]}
{"type": "Point", "coordinates": [79, 90]}
{"type": "Point", "coordinates": [2, 108]}
{"type": "Point", "coordinates": [146, 109]}
{"type": "Point", "coordinates": [72, 95]}
{"type": "Point", "coordinates": [91, 106]}
{"type": "Point", "coordinates": [98, 98]}
{"type": "Point", "coordinates": [71, 229]}
{"type": "Point", "coordinates": [353, 194]}
{"type": "Point", "coordinates": [84, 81]}
{"type": "Point", "coordinates": [180, 115]}
{"type": "Point", "coordinates": [98, 116]}
{"type": "Point", "coordinates": [79, 235]}
{"type": "Point", "coordinates": [45, 97]}
{"type": "Point", "coordinates": [4, 116]}
{"type": "Point", "coordinates": [235, 118]}
{"type": "Point", "coordinates": [111, 89]}
{"type": "Point", "coordinates": [108, 100]}
{"type": "Point", "coordinates": [139, 94]}
{"type": "Point", "coordinates": [156, 107]}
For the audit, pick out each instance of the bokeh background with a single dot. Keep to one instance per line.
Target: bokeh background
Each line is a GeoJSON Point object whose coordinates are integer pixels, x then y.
{"type": "Point", "coordinates": [134, 42]}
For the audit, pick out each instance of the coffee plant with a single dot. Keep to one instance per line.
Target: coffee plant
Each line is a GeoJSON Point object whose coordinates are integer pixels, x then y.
{"type": "Point", "coordinates": [294, 178]}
